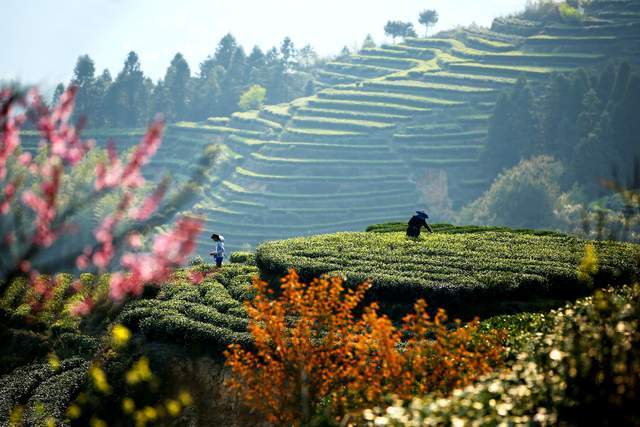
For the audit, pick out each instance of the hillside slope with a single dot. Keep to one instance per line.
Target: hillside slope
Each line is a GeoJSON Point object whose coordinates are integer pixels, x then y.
{"type": "Point", "coordinates": [383, 120]}
{"type": "Point", "coordinates": [351, 155]}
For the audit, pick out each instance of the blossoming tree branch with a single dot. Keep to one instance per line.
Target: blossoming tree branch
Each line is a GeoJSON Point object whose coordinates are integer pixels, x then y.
{"type": "Point", "coordinates": [38, 218]}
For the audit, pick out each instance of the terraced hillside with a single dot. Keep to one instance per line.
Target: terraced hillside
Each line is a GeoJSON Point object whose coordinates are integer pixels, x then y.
{"type": "Point", "coordinates": [355, 152]}
{"type": "Point", "coordinates": [351, 155]}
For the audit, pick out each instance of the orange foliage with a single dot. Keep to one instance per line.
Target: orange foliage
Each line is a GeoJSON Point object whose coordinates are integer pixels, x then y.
{"type": "Point", "coordinates": [312, 352]}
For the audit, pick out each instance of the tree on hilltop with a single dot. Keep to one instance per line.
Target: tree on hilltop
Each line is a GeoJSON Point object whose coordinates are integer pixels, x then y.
{"type": "Point", "coordinates": [368, 42]}
{"type": "Point", "coordinates": [428, 18]}
{"type": "Point", "coordinates": [399, 29]}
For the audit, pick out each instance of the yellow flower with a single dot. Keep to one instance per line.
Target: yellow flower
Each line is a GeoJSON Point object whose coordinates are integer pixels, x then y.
{"type": "Point", "coordinates": [97, 422]}
{"type": "Point", "coordinates": [99, 379]}
{"type": "Point", "coordinates": [185, 398]}
{"type": "Point", "coordinates": [589, 263]}
{"type": "Point", "coordinates": [150, 413]}
{"type": "Point", "coordinates": [139, 372]}
{"type": "Point", "coordinates": [173, 407]}
{"type": "Point", "coordinates": [54, 361]}
{"type": "Point", "coordinates": [120, 335]}
{"type": "Point", "coordinates": [140, 418]}
{"type": "Point", "coordinates": [128, 405]}
{"type": "Point", "coordinates": [15, 418]}
{"type": "Point", "coordinates": [74, 411]}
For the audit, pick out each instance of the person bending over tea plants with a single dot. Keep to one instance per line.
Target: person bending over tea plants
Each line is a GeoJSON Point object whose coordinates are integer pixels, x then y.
{"type": "Point", "coordinates": [416, 222]}
{"type": "Point", "coordinates": [218, 254]}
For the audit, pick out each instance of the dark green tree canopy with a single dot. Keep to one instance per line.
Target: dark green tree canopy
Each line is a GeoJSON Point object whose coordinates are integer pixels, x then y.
{"type": "Point", "coordinates": [399, 29]}
{"type": "Point", "coordinates": [428, 18]}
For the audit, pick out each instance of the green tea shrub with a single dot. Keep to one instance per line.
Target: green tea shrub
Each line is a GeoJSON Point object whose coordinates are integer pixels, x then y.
{"type": "Point", "coordinates": [391, 227]}
{"type": "Point", "coordinates": [240, 257]}
{"type": "Point", "coordinates": [43, 388]}
{"type": "Point", "coordinates": [451, 270]}
{"type": "Point", "coordinates": [209, 315]}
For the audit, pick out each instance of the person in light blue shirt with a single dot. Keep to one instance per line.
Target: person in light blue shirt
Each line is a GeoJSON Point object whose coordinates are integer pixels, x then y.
{"type": "Point", "coordinates": [218, 254]}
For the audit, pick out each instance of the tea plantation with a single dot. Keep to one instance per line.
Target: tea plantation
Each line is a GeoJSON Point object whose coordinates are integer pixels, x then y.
{"type": "Point", "coordinates": [47, 352]}
{"type": "Point", "coordinates": [452, 269]}
{"type": "Point", "coordinates": [354, 153]}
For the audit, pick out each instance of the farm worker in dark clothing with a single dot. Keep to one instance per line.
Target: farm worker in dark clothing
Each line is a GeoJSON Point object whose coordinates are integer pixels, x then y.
{"type": "Point", "coordinates": [218, 254]}
{"type": "Point", "coordinates": [417, 221]}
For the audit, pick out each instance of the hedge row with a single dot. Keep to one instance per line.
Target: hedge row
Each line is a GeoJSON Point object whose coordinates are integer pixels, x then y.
{"type": "Point", "coordinates": [385, 97]}
{"type": "Point", "coordinates": [391, 227]}
{"type": "Point", "coordinates": [353, 115]}
{"type": "Point", "coordinates": [41, 389]}
{"type": "Point", "coordinates": [208, 315]}
{"type": "Point", "coordinates": [451, 270]}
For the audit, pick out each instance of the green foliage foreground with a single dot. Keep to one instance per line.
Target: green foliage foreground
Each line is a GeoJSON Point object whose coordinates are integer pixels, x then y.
{"type": "Point", "coordinates": [452, 270]}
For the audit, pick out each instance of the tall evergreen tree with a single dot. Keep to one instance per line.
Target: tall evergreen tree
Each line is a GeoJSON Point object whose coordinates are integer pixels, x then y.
{"type": "Point", "coordinates": [129, 95]}
{"type": "Point", "coordinates": [175, 89]}
{"type": "Point", "coordinates": [513, 128]}
{"type": "Point", "coordinates": [232, 83]}
{"type": "Point", "coordinates": [103, 83]}
{"type": "Point", "coordinates": [626, 124]}
{"type": "Point", "coordinates": [307, 58]}
{"type": "Point", "coordinates": [225, 50]}
{"type": "Point", "coordinates": [255, 66]}
{"type": "Point", "coordinates": [276, 92]}
{"type": "Point", "coordinates": [368, 42]}
{"type": "Point", "coordinates": [84, 79]}
{"type": "Point", "coordinates": [206, 89]}
{"type": "Point", "coordinates": [57, 93]}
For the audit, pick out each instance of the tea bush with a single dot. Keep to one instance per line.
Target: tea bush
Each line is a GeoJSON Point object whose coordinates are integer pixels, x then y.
{"type": "Point", "coordinates": [209, 315]}
{"type": "Point", "coordinates": [43, 390]}
{"type": "Point", "coordinates": [451, 269]}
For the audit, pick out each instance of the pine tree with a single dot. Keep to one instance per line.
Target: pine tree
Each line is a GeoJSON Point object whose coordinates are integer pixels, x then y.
{"type": "Point", "coordinates": [255, 66]}
{"type": "Point", "coordinates": [232, 83]}
{"type": "Point", "coordinates": [225, 50]}
{"type": "Point", "coordinates": [175, 89]}
{"type": "Point", "coordinates": [103, 83]}
{"type": "Point", "coordinates": [84, 80]}
{"type": "Point", "coordinates": [368, 42]}
{"type": "Point", "coordinates": [513, 128]}
{"type": "Point", "coordinates": [59, 90]}
{"type": "Point", "coordinates": [129, 95]}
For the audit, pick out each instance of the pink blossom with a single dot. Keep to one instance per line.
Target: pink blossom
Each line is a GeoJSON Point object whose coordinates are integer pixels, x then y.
{"type": "Point", "coordinates": [196, 277]}
{"type": "Point", "coordinates": [77, 286]}
{"type": "Point", "coordinates": [25, 266]}
{"type": "Point", "coordinates": [82, 262]}
{"type": "Point", "coordinates": [135, 240]}
{"type": "Point", "coordinates": [169, 250]}
{"type": "Point", "coordinates": [25, 158]}
{"type": "Point", "coordinates": [82, 308]}
{"type": "Point", "coordinates": [149, 206]}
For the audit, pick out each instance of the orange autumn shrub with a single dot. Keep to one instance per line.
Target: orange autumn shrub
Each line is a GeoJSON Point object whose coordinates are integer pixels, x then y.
{"type": "Point", "coordinates": [313, 354]}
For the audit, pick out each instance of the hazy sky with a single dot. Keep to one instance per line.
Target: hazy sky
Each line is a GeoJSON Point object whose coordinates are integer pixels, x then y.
{"type": "Point", "coordinates": [43, 38]}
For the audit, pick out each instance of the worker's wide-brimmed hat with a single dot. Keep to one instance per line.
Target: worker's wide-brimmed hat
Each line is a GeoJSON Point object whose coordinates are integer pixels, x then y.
{"type": "Point", "coordinates": [422, 213]}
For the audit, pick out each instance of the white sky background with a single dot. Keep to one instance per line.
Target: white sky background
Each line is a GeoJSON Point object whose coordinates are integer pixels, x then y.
{"type": "Point", "coordinates": [41, 39]}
